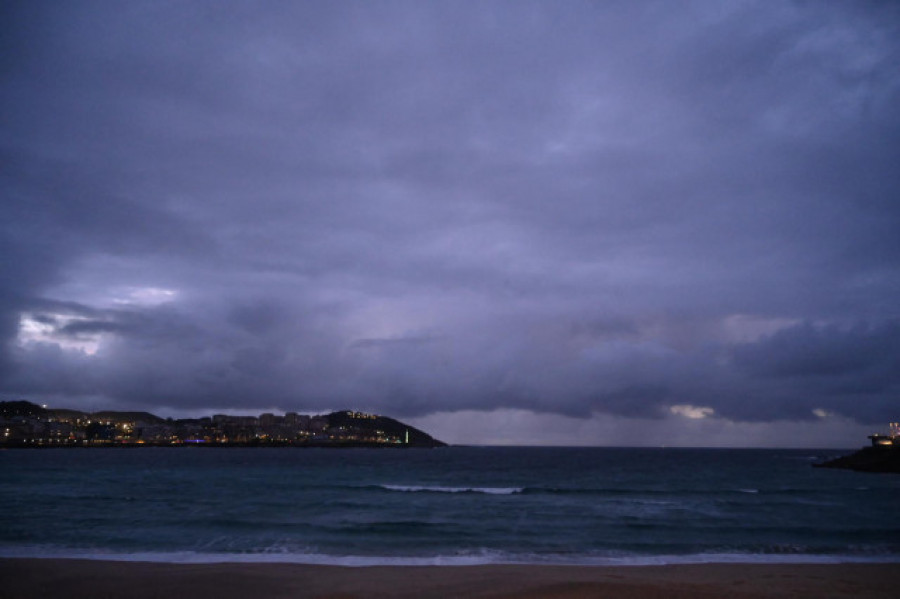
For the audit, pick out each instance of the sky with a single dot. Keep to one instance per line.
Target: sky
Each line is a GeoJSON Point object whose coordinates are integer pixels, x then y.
{"type": "Point", "coordinates": [565, 223]}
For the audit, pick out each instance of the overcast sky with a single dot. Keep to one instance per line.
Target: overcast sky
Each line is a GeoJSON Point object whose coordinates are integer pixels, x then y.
{"type": "Point", "coordinates": [638, 223]}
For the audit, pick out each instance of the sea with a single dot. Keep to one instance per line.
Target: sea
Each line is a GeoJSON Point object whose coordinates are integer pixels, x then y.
{"type": "Point", "coordinates": [445, 506]}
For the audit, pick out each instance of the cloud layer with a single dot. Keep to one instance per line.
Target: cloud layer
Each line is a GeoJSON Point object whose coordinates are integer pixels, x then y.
{"type": "Point", "coordinates": [420, 208]}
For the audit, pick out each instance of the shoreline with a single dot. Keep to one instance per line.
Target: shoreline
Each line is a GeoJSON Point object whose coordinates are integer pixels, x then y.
{"type": "Point", "coordinates": [26, 578]}
{"type": "Point", "coordinates": [455, 561]}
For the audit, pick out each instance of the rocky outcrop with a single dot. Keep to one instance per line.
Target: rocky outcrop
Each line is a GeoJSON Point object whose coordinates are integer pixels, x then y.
{"type": "Point", "coordinates": [868, 459]}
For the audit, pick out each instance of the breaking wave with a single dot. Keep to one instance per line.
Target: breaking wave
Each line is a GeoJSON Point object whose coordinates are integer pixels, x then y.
{"type": "Point", "coordinates": [435, 489]}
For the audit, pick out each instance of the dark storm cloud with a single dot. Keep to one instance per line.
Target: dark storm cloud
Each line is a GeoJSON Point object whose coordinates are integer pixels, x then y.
{"type": "Point", "coordinates": [809, 351]}
{"type": "Point", "coordinates": [830, 367]}
{"type": "Point", "coordinates": [420, 207]}
{"type": "Point", "coordinates": [90, 327]}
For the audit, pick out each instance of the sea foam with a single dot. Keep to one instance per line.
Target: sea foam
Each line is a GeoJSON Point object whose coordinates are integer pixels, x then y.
{"type": "Point", "coordinates": [430, 489]}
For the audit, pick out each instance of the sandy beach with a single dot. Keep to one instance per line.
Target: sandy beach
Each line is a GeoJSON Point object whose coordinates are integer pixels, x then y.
{"type": "Point", "coordinates": [33, 578]}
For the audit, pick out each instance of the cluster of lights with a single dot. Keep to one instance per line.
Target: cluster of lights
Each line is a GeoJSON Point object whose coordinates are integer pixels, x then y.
{"type": "Point", "coordinates": [361, 415]}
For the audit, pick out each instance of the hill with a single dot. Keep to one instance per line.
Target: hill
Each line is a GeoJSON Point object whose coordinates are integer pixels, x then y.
{"type": "Point", "coordinates": [375, 426]}
{"type": "Point", "coordinates": [24, 409]}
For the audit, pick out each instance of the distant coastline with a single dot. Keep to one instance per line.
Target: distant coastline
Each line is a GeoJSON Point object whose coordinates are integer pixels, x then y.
{"type": "Point", "coordinates": [27, 425]}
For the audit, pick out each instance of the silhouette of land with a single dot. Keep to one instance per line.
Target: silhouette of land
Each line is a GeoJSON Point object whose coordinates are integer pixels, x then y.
{"type": "Point", "coordinates": [25, 424]}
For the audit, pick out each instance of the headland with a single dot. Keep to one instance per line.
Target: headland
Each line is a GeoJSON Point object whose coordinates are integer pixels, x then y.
{"type": "Point", "coordinates": [25, 424]}
{"type": "Point", "coordinates": [883, 455]}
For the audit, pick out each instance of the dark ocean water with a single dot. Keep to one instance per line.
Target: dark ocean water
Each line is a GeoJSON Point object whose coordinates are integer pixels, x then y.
{"type": "Point", "coordinates": [453, 505]}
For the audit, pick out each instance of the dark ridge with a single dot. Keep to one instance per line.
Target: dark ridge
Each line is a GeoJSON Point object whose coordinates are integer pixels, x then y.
{"type": "Point", "coordinates": [119, 417]}
{"type": "Point", "coordinates": [26, 409]}
{"type": "Point", "coordinates": [64, 414]}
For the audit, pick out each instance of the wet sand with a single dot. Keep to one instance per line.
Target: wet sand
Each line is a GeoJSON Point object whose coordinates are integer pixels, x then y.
{"type": "Point", "coordinates": [33, 578]}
